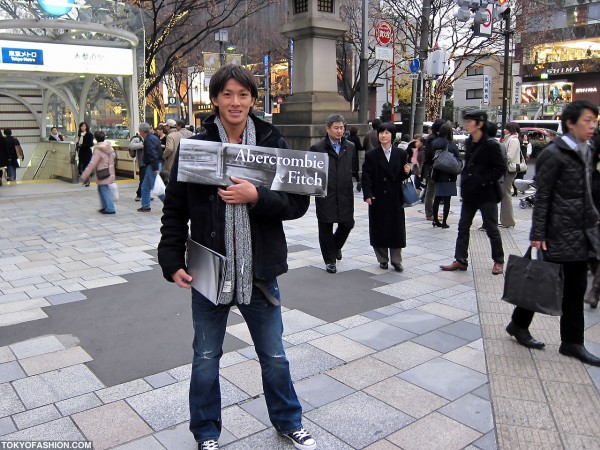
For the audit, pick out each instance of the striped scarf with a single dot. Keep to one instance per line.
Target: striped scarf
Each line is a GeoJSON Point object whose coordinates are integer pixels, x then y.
{"type": "Point", "coordinates": [238, 241]}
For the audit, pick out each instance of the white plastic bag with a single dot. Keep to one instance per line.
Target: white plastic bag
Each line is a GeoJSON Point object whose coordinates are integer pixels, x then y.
{"type": "Point", "coordinates": [159, 186]}
{"type": "Point", "coordinates": [114, 192]}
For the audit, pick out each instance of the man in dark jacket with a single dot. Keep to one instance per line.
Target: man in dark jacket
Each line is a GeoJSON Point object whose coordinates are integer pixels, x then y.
{"type": "Point", "coordinates": [244, 223]}
{"type": "Point", "coordinates": [480, 191]}
{"type": "Point", "coordinates": [565, 226]}
{"type": "Point", "coordinates": [338, 206]}
{"type": "Point", "coordinates": [371, 140]}
{"type": "Point", "coordinates": [428, 168]}
{"type": "Point", "coordinates": [152, 161]}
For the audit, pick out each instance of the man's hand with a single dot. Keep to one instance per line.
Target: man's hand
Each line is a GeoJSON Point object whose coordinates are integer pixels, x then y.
{"type": "Point", "coordinates": [182, 279]}
{"type": "Point", "coordinates": [538, 244]}
{"type": "Point", "coordinates": [406, 168]}
{"type": "Point", "coordinates": [370, 200]}
{"type": "Point", "coordinates": [241, 192]}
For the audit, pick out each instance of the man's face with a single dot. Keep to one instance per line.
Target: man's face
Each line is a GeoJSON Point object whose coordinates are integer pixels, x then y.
{"type": "Point", "coordinates": [471, 126]}
{"type": "Point", "coordinates": [335, 131]}
{"type": "Point", "coordinates": [143, 134]}
{"type": "Point", "coordinates": [585, 126]}
{"type": "Point", "coordinates": [234, 103]}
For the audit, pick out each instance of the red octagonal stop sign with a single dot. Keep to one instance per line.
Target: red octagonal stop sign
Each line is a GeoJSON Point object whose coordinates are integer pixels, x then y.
{"type": "Point", "coordinates": [383, 33]}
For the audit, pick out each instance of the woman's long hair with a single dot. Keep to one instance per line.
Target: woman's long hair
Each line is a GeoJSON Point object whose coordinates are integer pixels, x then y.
{"type": "Point", "coordinates": [87, 128]}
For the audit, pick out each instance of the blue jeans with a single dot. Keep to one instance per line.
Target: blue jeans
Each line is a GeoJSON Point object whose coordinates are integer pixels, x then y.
{"type": "Point", "coordinates": [11, 173]}
{"type": "Point", "coordinates": [266, 328]}
{"type": "Point", "coordinates": [106, 198]}
{"type": "Point", "coordinates": [148, 184]}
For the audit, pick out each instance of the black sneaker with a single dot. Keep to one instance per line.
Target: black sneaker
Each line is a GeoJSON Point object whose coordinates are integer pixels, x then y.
{"type": "Point", "coordinates": [138, 198]}
{"type": "Point", "coordinates": [302, 439]}
{"type": "Point", "coordinates": [211, 444]}
{"type": "Point", "coordinates": [142, 209]}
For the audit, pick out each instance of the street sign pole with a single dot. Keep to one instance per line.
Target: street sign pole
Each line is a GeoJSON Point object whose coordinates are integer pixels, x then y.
{"type": "Point", "coordinates": [393, 76]}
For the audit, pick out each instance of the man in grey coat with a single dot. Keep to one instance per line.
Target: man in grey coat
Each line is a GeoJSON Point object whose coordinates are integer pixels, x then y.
{"type": "Point", "coordinates": [338, 206]}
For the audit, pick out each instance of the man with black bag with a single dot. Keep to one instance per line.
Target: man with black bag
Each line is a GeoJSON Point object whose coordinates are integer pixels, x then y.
{"type": "Point", "coordinates": [565, 226]}
{"type": "Point", "coordinates": [480, 191]}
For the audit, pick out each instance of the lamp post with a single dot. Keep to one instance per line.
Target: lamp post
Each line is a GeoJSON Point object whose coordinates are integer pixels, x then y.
{"type": "Point", "coordinates": [221, 37]}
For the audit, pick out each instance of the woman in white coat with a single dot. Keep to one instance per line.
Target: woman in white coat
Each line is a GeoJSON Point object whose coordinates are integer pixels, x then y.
{"type": "Point", "coordinates": [513, 160]}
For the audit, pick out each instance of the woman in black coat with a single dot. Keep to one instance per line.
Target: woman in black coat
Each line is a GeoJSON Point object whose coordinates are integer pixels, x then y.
{"type": "Point", "coordinates": [84, 147]}
{"type": "Point", "coordinates": [445, 183]}
{"type": "Point", "coordinates": [384, 170]}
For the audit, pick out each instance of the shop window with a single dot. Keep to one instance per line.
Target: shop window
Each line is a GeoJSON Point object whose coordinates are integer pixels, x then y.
{"type": "Point", "coordinates": [473, 94]}
{"type": "Point", "coordinates": [474, 70]}
{"type": "Point", "coordinates": [325, 5]}
{"type": "Point", "coordinates": [577, 15]}
{"type": "Point", "coordinates": [300, 6]}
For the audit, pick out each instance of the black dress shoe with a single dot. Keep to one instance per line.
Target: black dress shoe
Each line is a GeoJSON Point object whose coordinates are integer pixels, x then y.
{"type": "Point", "coordinates": [398, 267]}
{"type": "Point", "coordinates": [330, 268]}
{"type": "Point", "coordinates": [580, 352]}
{"type": "Point", "coordinates": [339, 255]}
{"type": "Point", "coordinates": [384, 266]}
{"type": "Point", "coordinates": [523, 336]}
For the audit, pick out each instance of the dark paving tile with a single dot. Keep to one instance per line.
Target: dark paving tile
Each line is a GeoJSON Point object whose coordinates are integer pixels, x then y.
{"type": "Point", "coordinates": [483, 392]}
{"type": "Point", "coordinates": [321, 389]}
{"type": "Point", "coordinates": [373, 315]}
{"type": "Point", "coordinates": [487, 441]}
{"type": "Point", "coordinates": [298, 248]}
{"type": "Point", "coordinates": [307, 360]}
{"type": "Point", "coordinates": [439, 341]}
{"type": "Point", "coordinates": [378, 335]}
{"type": "Point", "coordinates": [415, 321]}
{"type": "Point", "coordinates": [444, 378]}
{"type": "Point", "coordinates": [464, 330]}
{"type": "Point", "coordinates": [472, 411]}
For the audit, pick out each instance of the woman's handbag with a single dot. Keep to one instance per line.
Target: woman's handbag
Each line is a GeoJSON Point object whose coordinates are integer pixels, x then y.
{"type": "Point", "coordinates": [445, 161]}
{"type": "Point", "coordinates": [519, 167]}
{"type": "Point", "coordinates": [103, 174]}
{"type": "Point", "coordinates": [409, 193]}
{"type": "Point", "coordinates": [534, 284]}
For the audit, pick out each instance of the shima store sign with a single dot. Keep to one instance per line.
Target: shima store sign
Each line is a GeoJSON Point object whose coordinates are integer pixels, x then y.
{"type": "Point", "coordinates": [63, 58]}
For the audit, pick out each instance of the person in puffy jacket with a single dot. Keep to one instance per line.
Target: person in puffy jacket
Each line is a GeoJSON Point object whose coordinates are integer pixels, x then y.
{"type": "Point", "coordinates": [565, 226]}
{"type": "Point", "coordinates": [102, 164]}
{"type": "Point", "coordinates": [445, 183]}
{"type": "Point", "coordinates": [152, 163]}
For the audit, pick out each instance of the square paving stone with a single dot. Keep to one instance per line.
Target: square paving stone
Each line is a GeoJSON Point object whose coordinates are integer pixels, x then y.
{"type": "Point", "coordinates": [6, 355]}
{"type": "Point", "coordinates": [55, 360]}
{"type": "Point", "coordinates": [434, 432]}
{"type": "Point", "coordinates": [341, 347]}
{"type": "Point", "coordinates": [376, 419]}
{"type": "Point", "coordinates": [246, 376]}
{"type": "Point", "coordinates": [37, 346]}
{"type": "Point", "coordinates": [57, 385]}
{"type": "Point", "coordinates": [121, 391]}
{"type": "Point", "coordinates": [330, 328]}
{"type": "Point", "coordinates": [306, 361]}
{"type": "Point", "coordinates": [58, 430]}
{"type": "Point", "coordinates": [415, 321]}
{"type": "Point", "coordinates": [111, 425]}
{"type": "Point", "coordinates": [378, 335]}
{"type": "Point", "coordinates": [240, 422]}
{"type": "Point", "coordinates": [406, 355]}
{"type": "Point", "coordinates": [468, 357]}
{"type": "Point", "coordinates": [78, 404]}
{"type": "Point", "coordinates": [69, 297]}
{"type": "Point", "coordinates": [146, 443]}
{"type": "Point", "coordinates": [463, 330]}
{"type": "Point", "coordinates": [487, 442]}
{"type": "Point", "coordinates": [321, 389]}
{"type": "Point", "coordinates": [36, 416]}
{"type": "Point", "coordinates": [10, 404]}
{"type": "Point", "coordinates": [445, 378]}
{"type": "Point", "coordinates": [295, 321]}
{"type": "Point", "coordinates": [406, 397]}
{"type": "Point", "coordinates": [180, 438]}
{"type": "Point", "coordinates": [472, 411]}
{"type": "Point", "coordinates": [363, 372]}
{"type": "Point", "coordinates": [160, 379]}
{"type": "Point", "coordinates": [440, 341]}
{"type": "Point", "coordinates": [7, 426]}
{"type": "Point", "coordinates": [11, 371]}
{"type": "Point", "coordinates": [163, 407]}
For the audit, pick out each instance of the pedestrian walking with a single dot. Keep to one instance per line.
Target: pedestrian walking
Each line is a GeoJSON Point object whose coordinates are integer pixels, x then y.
{"type": "Point", "coordinates": [152, 164]}
{"type": "Point", "coordinates": [513, 160]}
{"type": "Point", "coordinates": [338, 206]}
{"type": "Point", "coordinates": [102, 164]}
{"type": "Point", "coordinates": [445, 183]}
{"type": "Point", "coordinates": [85, 142]}
{"type": "Point", "coordinates": [358, 148]}
{"type": "Point", "coordinates": [244, 223]}
{"type": "Point", "coordinates": [429, 194]}
{"type": "Point", "coordinates": [384, 170]}
{"type": "Point", "coordinates": [565, 226]}
{"type": "Point", "coordinates": [480, 191]}
{"type": "Point", "coordinates": [371, 140]}
{"type": "Point", "coordinates": [14, 152]}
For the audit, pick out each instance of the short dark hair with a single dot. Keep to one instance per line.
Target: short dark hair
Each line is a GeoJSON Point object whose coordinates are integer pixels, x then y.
{"type": "Point", "coordinates": [446, 132]}
{"type": "Point", "coordinates": [387, 126]}
{"type": "Point", "coordinates": [437, 123]}
{"type": "Point", "coordinates": [333, 118]}
{"type": "Point", "coordinates": [180, 123]}
{"type": "Point", "coordinates": [353, 131]}
{"type": "Point", "coordinates": [489, 128]}
{"type": "Point", "coordinates": [405, 137]}
{"type": "Point", "coordinates": [375, 124]}
{"type": "Point", "coordinates": [573, 111]}
{"type": "Point", "coordinates": [512, 127]}
{"type": "Point", "coordinates": [7, 132]}
{"type": "Point", "coordinates": [228, 72]}
{"type": "Point", "coordinates": [99, 136]}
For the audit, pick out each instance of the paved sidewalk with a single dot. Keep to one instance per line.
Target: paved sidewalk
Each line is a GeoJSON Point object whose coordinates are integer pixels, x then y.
{"type": "Point", "coordinates": [95, 345]}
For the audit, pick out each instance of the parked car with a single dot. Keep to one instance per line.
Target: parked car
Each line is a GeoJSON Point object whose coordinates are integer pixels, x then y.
{"type": "Point", "coordinates": [539, 138]}
{"type": "Point", "coordinates": [459, 138]}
